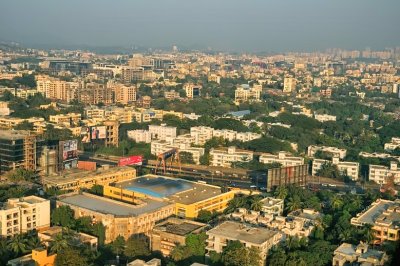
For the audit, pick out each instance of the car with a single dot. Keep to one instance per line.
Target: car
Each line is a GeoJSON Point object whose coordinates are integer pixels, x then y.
{"type": "Point", "coordinates": [263, 188]}
{"type": "Point", "coordinates": [253, 187]}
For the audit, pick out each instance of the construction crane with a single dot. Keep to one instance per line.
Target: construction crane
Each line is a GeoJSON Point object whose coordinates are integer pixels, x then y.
{"type": "Point", "coordinates": [172, 154]}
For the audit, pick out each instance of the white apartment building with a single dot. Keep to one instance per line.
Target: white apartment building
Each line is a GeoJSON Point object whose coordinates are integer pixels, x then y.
{"type": "Point", "coordinates": [225, 134]}
{"type": "Point", "coordinates": [349, 168]}
{"type": "Point", "coordinates": [24, 214]}
{"type": "Point", "coordinates": [226, 156]}
{"type": "Point", "coordinates": [246, 94]}
{"type": "Point", "coordinates": [192, 90]}
{"type": "Point", "coordinates": [158, 147]}
{"type": "Point", "coordinates": [272, 206]}
{"type": "Point", "coordinates": [289, 84]}
{"type": "Point", "coordinates": [259, 237]}
{"type": "Point", "coordinates": [94, 112]}
{"type": "Point", "coordinates": [139, 135]}
{"type": "Point", "coordinates": [284, 158]}
{"type": "Point", "coordinates": [247, 136]}
{"type": "Point", "coordinates": [393, 144]}
{"type": "Point", "coordinates": [336, 152]}
{"type": "Point", "coordinates": [201, 134]}
{"type": "Point", "coordinates": [162, 132]}
{"type": "Point", "coordinates": [325, 118]}
{"type": "Point", "coordinates": [379, 173]}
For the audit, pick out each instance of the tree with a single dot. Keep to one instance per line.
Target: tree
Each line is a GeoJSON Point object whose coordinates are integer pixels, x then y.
{"type": "Point", "coordinates": [25, 125]}
{"type": "Point", "coordinates": [196, 244]}
{"type": "Point", "coordinates": [136, 247]}
{"type": "Point", "coordinates": [58, 243]}
{"type": "Point", "coordinates": [235, 254]}
{"type": "Point", "coordinates": [18, 244]}
{"type": "Point", "coordinates": [293, 203]}
{"type": "Point", "coordinates": [180, 253]}
{"type": "Point", "coordinates": [256, 204]}
{"type": "Point", "coordinates": [63, 216]}
{"type": "Point", "coordinates": [204, 216]}
{"type": "Point", "coordinates": [186, 157]}
{"type": "Point", "coordinates": [21, 174]}
{"type": "Point", "coordinates": [99, 230]}
{"type": "Point", "coordinates": [336, 202]}
{"type": "Point", "coordinates": [329, 170]}
{"type": "Point", "coordinates": [97, 190]}
{"type": "Point", "coordinates": [71, 257]}
{"type": "Point", "coordinates": [118, 245]}
{"type": "Point", "coordinates": [281, 192]}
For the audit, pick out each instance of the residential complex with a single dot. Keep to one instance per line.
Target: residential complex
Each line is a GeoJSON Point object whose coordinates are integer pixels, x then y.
{"type": "Point", "coordinates": [350, 169]}
{"type": "Point", "coordinates": [361, 254]}
{"type": "Point", "coordinates": [282, 158]}
{"type": "Point", "coordinates": [246, 94]}
{"type": "Point", "coordinates": [24, 214]}
{"type": "Point", "coordinates": [335, 152]}
{"type": "Point", "coordinates": [381, 174]}
{"type": "Point", "coordinates": [226, 156]}
{"type": "Point", "coordinates": [261, 238]}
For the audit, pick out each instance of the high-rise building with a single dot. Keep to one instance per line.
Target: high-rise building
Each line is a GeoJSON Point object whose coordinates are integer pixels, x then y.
{"type": "Point", "coordinates": [192, 90]}
{"type": "Point", "coordinates": [289, 84]}
{"type": "Point", "coordinates": [112, 128]}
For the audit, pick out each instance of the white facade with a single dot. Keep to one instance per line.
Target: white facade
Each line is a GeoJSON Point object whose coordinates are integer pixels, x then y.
{"type": "Point", "coordinates": [248, 94]}
{"type": "Point", "coordinates": [336, 152]}
{"type": "Point", "coordinates": [394, 144]}
{"type": "Point", "coordinates": [158, 147]}
{"type": "Point", "coordinates": [349, 168]}
{"type": "Point", "coordinates": [226, 156]}
{"type": "Point", "coordinates": [325, 118]}
{"type": "Point", "coordinates": [139, 135]}
{"type": "Point", "coordinates": [24, 214]}
{"type": "Point", "coordinates": [285, 159]}
{"type": "Point", "coordinates": [380, 173]}
{"type": "Point", "coordinates": [162, 132]}
{"type": "Point", "coordinates": [202, 134]}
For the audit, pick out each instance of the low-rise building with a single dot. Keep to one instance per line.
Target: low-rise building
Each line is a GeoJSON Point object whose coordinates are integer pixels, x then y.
{"type": "Point", "coordinates": [262, 238]}
{"type": "Point", "coordinates": [335, 152]}
{"type": "Point", "coordinates": [226, 156]}
{"type": "Point", "coordinates": [119, 218]}
{"type": "Point", "coordinates": [47, 236]}
{"type": "Point", "coordinates": [192, 90]}
{"type": "Point", "coordinates": [75, 180]}
{"type": "Point", "coordinates": [350, 169]}
{"type": "Point", "coordinates": [272, 206]}
{"type": "Point", "coordinates": [324, 117]}
{"type": "Point", "coordinates": [384, 216]}
{"type": "Point", "coordinates": [283, 158]}
{"type": "Point", "coordinates": [152, 262]}
{"type": "Point", "coordinates": [166, 235]}
{"type": "Point", "coordinates": [246, 94]}
{"type": "Point", "coordinates": [38, 257]}
{"type": "Point", "coordinates": [24, 214]}
{"type": "Point", "coordinates": [162, 132]}
{"type": "Point", "coordinates": [393, 144]}
{"type": "Point", "coordinates": [380, 173]}
{"type": "Point", "coordinates": [68, 120]}
{"type": "Point", "coordinates": [158, 147]}
{"type": "Point", "coordinates": [358, 255]}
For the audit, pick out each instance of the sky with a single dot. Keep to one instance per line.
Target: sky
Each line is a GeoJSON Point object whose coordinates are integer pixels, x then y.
{"type": "Point", "coordinates": [229, 25]}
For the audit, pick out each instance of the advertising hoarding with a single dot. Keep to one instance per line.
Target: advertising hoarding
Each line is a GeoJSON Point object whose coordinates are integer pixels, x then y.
{"type": "Point", "coordinates": [131, 160]}
{"type": "Point", "coordinates": [70, 150]}
{"type": "Point", "coordinates": [98, 132]}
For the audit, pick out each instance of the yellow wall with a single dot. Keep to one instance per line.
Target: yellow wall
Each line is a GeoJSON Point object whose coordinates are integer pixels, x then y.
{"type": "Point", "coordinates": [41, 258]}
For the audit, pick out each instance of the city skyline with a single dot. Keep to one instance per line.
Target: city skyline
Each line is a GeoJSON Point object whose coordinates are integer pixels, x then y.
{"type": "Point", "coordinates": [258, 26]}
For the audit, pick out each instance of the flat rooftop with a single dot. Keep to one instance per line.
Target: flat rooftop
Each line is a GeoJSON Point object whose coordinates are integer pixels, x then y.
{"type": "Point", "coordinates": [178, 190]}
{"type": "Point", "coordinates": [182, 229]}
{"type": "Point", "coordinates": [13, 134]}
{"type": "Point", "coordinates": [373, 213]}
{"type": "Point", "coordinates": [108, 206]}
{"type": "Point", "coordinates": [78, 174]}
{"type": "Point", "coordinates": [241, 232]}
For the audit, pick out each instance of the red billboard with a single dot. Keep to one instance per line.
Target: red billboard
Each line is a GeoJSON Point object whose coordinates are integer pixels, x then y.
{"type": "Point", "coordinates": [131, 160]}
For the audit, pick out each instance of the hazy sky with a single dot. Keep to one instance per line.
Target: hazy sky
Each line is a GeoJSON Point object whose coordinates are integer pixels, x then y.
{"type": "Point", "coordinates": [252, 25]}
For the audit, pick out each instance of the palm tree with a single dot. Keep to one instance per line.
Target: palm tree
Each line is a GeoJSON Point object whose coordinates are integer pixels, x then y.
{"type": "Point", "coordinates": [281, 192]}
{"type": "Point", "coordinates": [256, 204]}
{"type": "Point", "coordinates": [368, 233]}
{"type": "Point", "coordinates": [293, 203]}
{"type": "Point", "coordinates": [58, 243]}
{"type": "Point", "coordinates": [292, 242]}
{"type": "Point", "coordinates": [34, 243]}
{"type": "Point", "coordinates": [345, 235]}
{"type": "Point", "coordinates": [336, 202]}
{"type": "Point", "coordinates": [18, 244]}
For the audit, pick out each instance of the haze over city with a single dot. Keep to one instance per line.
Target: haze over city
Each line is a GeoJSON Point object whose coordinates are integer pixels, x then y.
{"type": "Point", "coordinates": [229, 25]}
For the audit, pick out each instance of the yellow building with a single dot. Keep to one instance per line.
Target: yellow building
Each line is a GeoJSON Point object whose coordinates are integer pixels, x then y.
{"type": "Point", "coordinates": [189, 197]}
{"type": "Point", "coordinates": [73, 181]}
{"type": "Point", "coordinates": [38, 257]}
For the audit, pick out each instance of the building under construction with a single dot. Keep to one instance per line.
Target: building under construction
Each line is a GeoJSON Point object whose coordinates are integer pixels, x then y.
{"type": "Point", "coordinates": [18, 149]}
{"type": "Point", "coordinates": [287, 175]}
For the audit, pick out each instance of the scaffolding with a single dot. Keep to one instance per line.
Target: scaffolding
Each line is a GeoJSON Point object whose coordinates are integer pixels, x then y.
{"type": "Point", "coordinates": [173, 155]}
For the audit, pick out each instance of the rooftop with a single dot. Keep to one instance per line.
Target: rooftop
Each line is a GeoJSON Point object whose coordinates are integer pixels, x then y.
{"type": "Point", "coordinates": [178, 226]}
{"type": "Point", "coordinates": [376, 210]}
{"type": "Point", "coordinates": [238, 231]}
{"type": "Point", "coordinates": [13, 134]}
{"type": "Point", "coordinates": [108, 206]}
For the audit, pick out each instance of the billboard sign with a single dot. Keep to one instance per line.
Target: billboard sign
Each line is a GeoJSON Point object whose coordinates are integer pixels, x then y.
{"type": "Point", "coordinates": [70, 149]}
{"type": "Point", "coordinates": [98, 132]}
{"type": "Point", "coordinates": [131, 160]}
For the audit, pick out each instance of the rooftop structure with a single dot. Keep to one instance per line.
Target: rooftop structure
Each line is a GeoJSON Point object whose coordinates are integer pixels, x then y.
{"type": "Point", "coordinates": [359, 255]}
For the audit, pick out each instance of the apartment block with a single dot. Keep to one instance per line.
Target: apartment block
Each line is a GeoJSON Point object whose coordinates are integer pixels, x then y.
{"type": "Point", "coordinates": [246, 94]}
{"type": "Point", "coordinates": [162, 132]}
{"type": "Point", "coordinates": [259, 237]}
{"type": "Point", "coordinates": [358, 255]}
{"type": "Point", "coordinates": [139, 135]}
{"type": "Point", "coordinates": [384, 216]}
{"type": "Point", "coordinates": [67, 120]}
{"type": "Point", "coordinates": [289, 84]}
{"type": "Point", "coordinates": [161, 146]}
{"type": "Point", "coordinates": [54, 88]}
{"type": "Point", "coordinates": [168, 234]}
{"type": "Point", "coordinates": [7, 122]}
{"type": "Point", "coordinates": [24, 214]}
{"type": "Point", "coordinates": [226, 156]}
{"type": "Point", "coordinates": [272, 206]}
{"type": "Point", "coordinates": [171, 95]}
{"type": "Point", "coordinates": [192, 90]}
{"type": "Point", "coordinates": [112, 131]}
{"type": "Point", "coordinates": [201, 134]}
{"type": "Point", "coordinates": [380, 174]}
{"type": "Point", "coordinates": [284, 158]}
{"type": "Point", "coordinates": [335, 152]}
{"type": "Point", "coordinates": [124, 94]}
{"type": "Point", "coordinates": [349, 168]}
